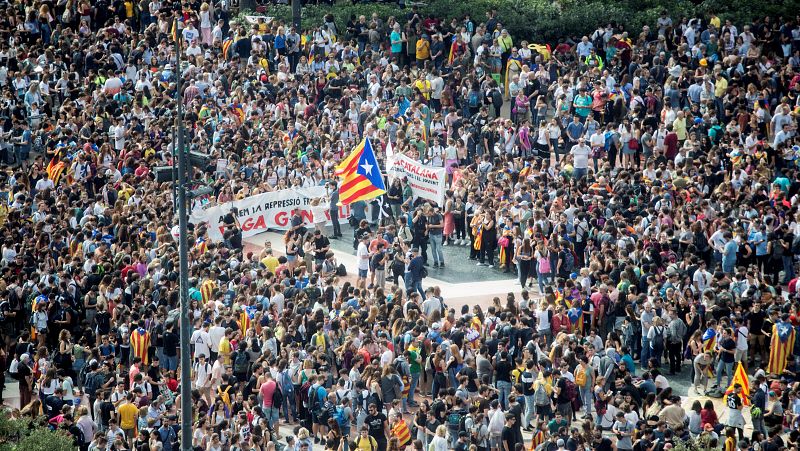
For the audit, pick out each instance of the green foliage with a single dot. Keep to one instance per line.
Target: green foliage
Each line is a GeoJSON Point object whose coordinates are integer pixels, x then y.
{"type": "Point", "coordinates": [701, 443]}
{"type": "Point", "coordinates": [18, 435]}
{"type": "Point", "coordinates": [548, 20]}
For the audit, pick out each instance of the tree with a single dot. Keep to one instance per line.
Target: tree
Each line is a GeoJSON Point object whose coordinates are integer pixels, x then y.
{"type": "Point", "coordinates": [27, 435]}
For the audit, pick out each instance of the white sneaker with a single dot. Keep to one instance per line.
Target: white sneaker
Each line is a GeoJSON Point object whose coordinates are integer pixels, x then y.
{"type": "Point", "coordinates": [491, 266]}
{"type": "Point", "coordinates": [479, 264]}
{"type": "Point", "coordinates": [464, 242]}
{"type": "Point", "coordinates": [445, 243]}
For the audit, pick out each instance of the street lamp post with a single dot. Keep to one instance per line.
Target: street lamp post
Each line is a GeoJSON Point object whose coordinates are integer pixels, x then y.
{"type": "Point", "coordinates": [183, 256]}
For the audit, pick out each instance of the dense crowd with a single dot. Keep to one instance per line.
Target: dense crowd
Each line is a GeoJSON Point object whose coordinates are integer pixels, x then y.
{"type": "Point", "coordinates": [642, 185]}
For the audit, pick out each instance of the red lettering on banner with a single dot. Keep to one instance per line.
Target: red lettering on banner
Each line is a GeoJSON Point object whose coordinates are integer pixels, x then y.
{"type": "Point", "coordinates": [261, 223]}
{"type": "Point", "coordinates": [281, 219]}
{"type": "Point", "coordinates": [306, 215]}
{"type": "Point", "coordinates": [418, 170]}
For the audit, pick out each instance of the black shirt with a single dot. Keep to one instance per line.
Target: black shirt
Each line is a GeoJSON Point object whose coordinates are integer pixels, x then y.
{"type": "Point", "coordinates": [503, 371]}
{"type": "Point", "coordinates": [171, 342]}
{"type": "Point", "coordinates": [375, 425]}
{"type": "Point", "coordinates": [321, 243]}
{"type": "Point", "coordinates": [756, 320]}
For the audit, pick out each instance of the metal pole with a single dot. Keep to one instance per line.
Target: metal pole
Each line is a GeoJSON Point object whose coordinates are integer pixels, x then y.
{"type": "Point", "coordinates": [296, 13]}
{"type": "Point", "coordinates": [183, 255]}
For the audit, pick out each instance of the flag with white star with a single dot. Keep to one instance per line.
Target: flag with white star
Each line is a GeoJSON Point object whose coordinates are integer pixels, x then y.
{"type": "Point", "coordinates": [361, 175]}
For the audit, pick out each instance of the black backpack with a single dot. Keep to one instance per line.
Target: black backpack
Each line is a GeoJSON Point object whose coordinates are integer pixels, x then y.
{"type": "Point", "coordinates": [277, 397]}
{"type": "Point", "coordinates": [658, 339]}
{"type": "Point", "coordinates": [241, 363]}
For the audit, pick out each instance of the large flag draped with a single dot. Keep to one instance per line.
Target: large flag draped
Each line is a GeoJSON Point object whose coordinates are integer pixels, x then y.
{"type": "Point", "coordinates": [781, 346]}
{"type": "Point", "coordinates": [361, 175]}
{"type": "Point", "coordinates": [140, 343]}
{"type": "Point", "coordinates": [55, 169]}
{"type": "Point", "coordinates": [740, 377]}
{"type": "Point", "coordinates": [709, 340]}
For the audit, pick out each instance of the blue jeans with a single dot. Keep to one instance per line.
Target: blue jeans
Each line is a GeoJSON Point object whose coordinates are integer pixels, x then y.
{"type": "Point", "coordinates": [542, 278]}
{"type": "Point", "coordinates": [587, 398]}
{"type": "Point", "coordinates": [413, 285]}
{"type": "Point", "coordinates": [504, 389]}
{"type": "Point", "coordinates": [436, 248]}
{"type": "Point", "coordinates": [577, 173]}
{"type": "Point", "coordinates": [530, 411]}
{"type": "Point", "coordinates": [412, 387]}
{"type": "Point", "coordinates": [788, 268]}
{"type": "Point", "coordinates": [289, 405]}
{"type": "Point", "coordinates": [728, 368]}
{"type": "Point", "coordinates": [645, 351]}
{"type": "Point", "coordinates": [170, 363]}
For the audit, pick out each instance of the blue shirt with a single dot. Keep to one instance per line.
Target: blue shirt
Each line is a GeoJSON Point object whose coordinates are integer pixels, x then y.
{"type": "Point", "coordinates": [760, 241]}
{"type": "Point", "coordinates": [628, 361]}
{"type": "Point", "coordinates": [574, 131]}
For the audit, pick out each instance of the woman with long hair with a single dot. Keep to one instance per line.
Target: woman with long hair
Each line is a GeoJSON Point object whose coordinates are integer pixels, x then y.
{"type": "Point", "coordinates": [524, 257]}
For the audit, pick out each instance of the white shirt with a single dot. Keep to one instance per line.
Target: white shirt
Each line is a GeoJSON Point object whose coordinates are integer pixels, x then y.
{"type": "Point", "coordinates": [363, 256]}
{"type": "Point", "coordinates": [201, 341]}
{"type": "Point", "coordinates": [216, 333]}
{"type": "Point", "coordinates": [580, 152]}
{"type": "Point", "coordinates": [741, 338]}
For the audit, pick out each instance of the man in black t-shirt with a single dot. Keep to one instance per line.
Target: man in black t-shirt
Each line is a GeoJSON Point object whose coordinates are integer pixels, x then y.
{"type": "Point", "coordinates": [321, 247]}
{"type": "Point", "coordinates": [509, 436]}
{"type": "Point", "coordinates": [755, 323]}
{"type": "Point", "coordinates": [377, 425]}
{"type": "Point", "coordinates": [170, 351]}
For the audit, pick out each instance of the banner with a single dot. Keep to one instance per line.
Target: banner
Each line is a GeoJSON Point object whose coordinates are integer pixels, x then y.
{"type": "Point", "coordinates": [426, 182]}
{"type": "Point", "coordinates": [271, 210]}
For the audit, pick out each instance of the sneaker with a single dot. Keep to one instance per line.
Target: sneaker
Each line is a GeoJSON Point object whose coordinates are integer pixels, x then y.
{"type": "Point", "coordinates": [480, 264]}
{"type": "Point", "coordinates": [491, 266]}
{"type": "Point", "coordinates": [444, 244]}
{"type": "Point", "coordinates": [435, 265]}
{"type": "Point", "coordinates": [441, 265]}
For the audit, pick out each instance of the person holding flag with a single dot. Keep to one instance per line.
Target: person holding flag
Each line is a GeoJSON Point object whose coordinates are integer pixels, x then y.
{"type": "Point", "coordinates": [734, 402]}
{"type": "Point", "coordinates": [781, 345]}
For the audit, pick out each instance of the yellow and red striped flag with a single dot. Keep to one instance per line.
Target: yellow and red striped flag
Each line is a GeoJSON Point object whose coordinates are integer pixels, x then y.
{"type": "Point", "coordinates": [740, 377]}
{"type": "Point", "coordinates": [361, 176]}
{"type": "Point", "coordinates": [781, 347]}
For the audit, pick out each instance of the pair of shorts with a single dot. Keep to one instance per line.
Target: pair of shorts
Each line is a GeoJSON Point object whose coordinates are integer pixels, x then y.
{"type": "Point", "coordinates": [362, 273]}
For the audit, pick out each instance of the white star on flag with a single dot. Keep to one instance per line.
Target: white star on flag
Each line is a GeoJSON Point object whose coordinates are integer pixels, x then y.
{"type": "Point", "coordinates": [367, 168]}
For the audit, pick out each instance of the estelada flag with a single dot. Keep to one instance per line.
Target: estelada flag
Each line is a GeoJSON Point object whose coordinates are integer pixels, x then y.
{"type": "Point", "coordinates": [740, 377]}
{"type": "Point", "coordinates": [709, 340]}
{"type": "Point", "coordinates": [780, 347]}
{"type": "Point", "coordinates": [361, 176]}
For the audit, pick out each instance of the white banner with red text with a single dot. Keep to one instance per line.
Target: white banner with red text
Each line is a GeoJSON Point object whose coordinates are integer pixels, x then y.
{"type": "Point", "coordinates": [271, 210]}
{"type": "Point", "coordinates": [426, 182]}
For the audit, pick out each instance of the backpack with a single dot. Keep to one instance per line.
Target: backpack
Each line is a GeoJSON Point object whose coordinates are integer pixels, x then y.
{"type": "Point", "coordinates": [340, 419]}
{"type": "Point", "coordinates": [225, 396]}
{"type": "Point", "coordinates": [658, 339]}
{"type": "Point", "coordinates": [540, 396]}
{"type": "Point", "coordinates": [580, 378]}
{"type": "Point", "coordinates": [569, 261]}
{"type": "Point", "coordinates": [277, 397]}
{"type": "Point", "coordinates": [241, 363]}
{"type": "Point", "coordinates": [314, 403]}
{"type": "Point", "coordinates": [341, 271]}
{"type": "Point", "coordinates": [304, 393]}
{"type": "Point", "coordinates": [570, 389]}
{"type": "Point", "coordinates": [286, 383]}
{"type": "Point", "coordinates": [93, 383]}
{"type": "Point", "coordinates": [474, 99]}
{"type": "Point", "coordinates": [456, 420]}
